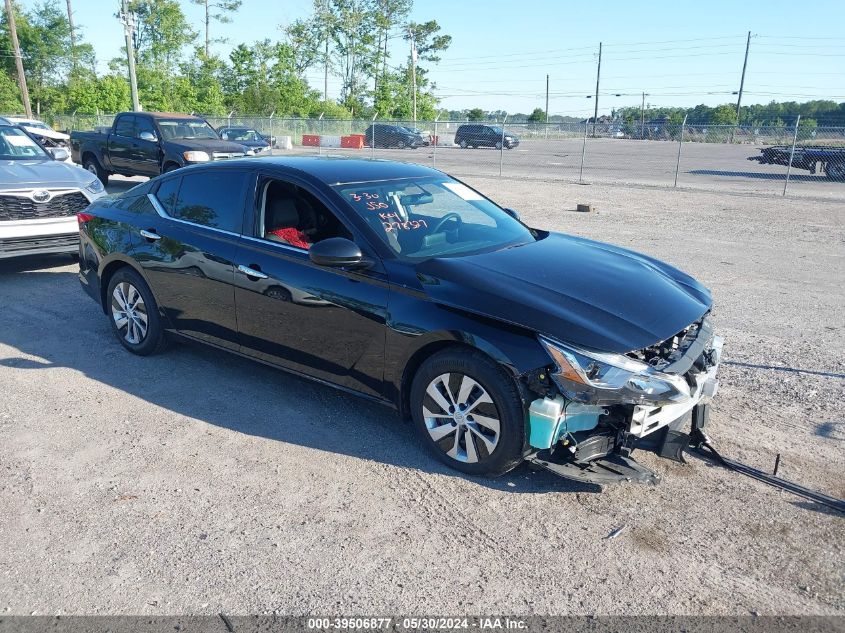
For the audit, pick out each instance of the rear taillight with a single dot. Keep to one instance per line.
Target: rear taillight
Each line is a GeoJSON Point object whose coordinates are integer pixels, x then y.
{"type": "Point", "coordinates": [82, 218]}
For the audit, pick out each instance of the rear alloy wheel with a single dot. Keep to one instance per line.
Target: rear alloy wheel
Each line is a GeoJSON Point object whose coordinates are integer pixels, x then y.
{"type": "Point", "coordinates": [134, 313]}
{"type": "Point", "coordinates": [468, 412]}
{"type": "Point", "coordinates": [498, 144]}
{"type": "Point", "coordinates": [400, 144]}
{"type": "Point", "coordinates": [463, 144]}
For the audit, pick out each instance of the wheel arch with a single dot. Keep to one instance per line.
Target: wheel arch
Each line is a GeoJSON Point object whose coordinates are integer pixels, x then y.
{"type": "Point", "coordinates": [438, 342]}
{"type": "Point", "coordinates": [107, 271]}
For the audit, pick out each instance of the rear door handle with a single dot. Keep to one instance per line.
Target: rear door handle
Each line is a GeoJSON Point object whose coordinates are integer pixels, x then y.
{"type": "Point", "coordinates": [249, 271]}
{"type": "Point", "coordinates": [150, 235]}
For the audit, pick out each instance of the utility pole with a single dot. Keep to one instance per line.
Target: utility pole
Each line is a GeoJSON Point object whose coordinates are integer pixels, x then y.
{"type": "Point", "coordinates": [742, 80]}
{"type": "Point", "coordinates": [547, 98]}
{"type": "Point", "coordinates": [598, 76]}
{"type": "Point", "coordinates": [128, 20]}
{"type": "Point", "coordinates": [642, 117]}
{"type": "Point", "coordinates": [414, 70]}
{"type": "Point", "coordinates": [10, 15]}
{"type": "Point", "coordinates": [72, 34]}
{"type": "Point", "coordinates": [326, 70]}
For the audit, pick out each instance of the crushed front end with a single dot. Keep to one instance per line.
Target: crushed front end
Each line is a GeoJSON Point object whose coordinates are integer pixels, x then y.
{"type": "Point", "coordinates": [590, 410]}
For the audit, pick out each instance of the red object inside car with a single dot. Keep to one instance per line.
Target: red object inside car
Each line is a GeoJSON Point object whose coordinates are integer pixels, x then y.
{"type": "Point", "coordinates": [292, 236]}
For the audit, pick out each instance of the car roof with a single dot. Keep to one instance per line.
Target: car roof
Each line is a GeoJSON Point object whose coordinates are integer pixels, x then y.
{"type": "Point", "coordinates": [168, 115]}
{"type": "Point", "coordinates": [335, 170]}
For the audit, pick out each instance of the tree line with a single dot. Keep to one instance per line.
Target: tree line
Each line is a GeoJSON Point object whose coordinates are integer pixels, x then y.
{"type": "Point", "coordinates": [355, 41]}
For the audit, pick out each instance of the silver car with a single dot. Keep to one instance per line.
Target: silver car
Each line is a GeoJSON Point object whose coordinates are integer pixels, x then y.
{"type": "Point", "coordinates": [40, 196]}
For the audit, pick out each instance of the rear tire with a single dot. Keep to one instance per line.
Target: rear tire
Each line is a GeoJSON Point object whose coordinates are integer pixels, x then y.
{"type": "Point", "coordinates": [93, 165]}
{"type": "Point", "coordinates": [469, 413]}
{"type": "Point", "coordinates": [134, 313]}
{"type": "Point", "coordinates": [463, 144]}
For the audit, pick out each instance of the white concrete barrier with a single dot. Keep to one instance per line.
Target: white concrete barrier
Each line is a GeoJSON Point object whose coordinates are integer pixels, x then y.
{"type": "Point", "coordinates": [284, 142]}
{"type": "Point", "coordinates": [330, 141]}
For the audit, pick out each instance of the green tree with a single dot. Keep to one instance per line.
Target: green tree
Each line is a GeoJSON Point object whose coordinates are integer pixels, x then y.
{"type": "Point", "coordinates": [10, 96]}
{"type": "Point", "coordinates": [476, 114]}
{"type": "Point", "coordinates": [537, 116]}
{"type": "Point", "coordinates": [218, 10]}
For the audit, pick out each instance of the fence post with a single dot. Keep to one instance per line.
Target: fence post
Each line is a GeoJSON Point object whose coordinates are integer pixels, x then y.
{"type": "Point", "coordinates": [434, 140]}
{"type": "Point", "coordinates": [583, 152]}
{"type": "Point", "coordinates": [791, 154]}
{"type": "Point", "coordinates": [680, 144]}
{"type": "Point", "coordinates": [502, 145]}
{"type": "Point", "coordinates": [373, 141]}
{"type": "Point", "coordinates": [320, 137]}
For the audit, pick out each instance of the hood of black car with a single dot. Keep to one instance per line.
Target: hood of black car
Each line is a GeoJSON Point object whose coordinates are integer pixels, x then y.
{"type": "Point", "coordinates": [572, 289]}
{"type": "Point", "coordinates": [206, 145]}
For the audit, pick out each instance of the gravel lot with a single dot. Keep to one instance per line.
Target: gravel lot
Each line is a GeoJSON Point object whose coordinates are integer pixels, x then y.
{"type": "Point", "coordinates": [196, 482]}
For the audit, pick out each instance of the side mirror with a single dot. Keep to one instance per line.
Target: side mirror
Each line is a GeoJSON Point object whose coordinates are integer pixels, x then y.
{"type": "Point", "coordinates": [59, 153]}
{"type": "Point", "coordinates": [336, 252]}
{"type": "Point", "coordinates": [147, 136]}
{"type": "Point", "coordinates": [514, 214]}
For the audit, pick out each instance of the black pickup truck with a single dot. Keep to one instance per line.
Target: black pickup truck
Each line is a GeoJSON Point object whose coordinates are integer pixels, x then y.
{"type": "Point", "coordinates": [149, 144]}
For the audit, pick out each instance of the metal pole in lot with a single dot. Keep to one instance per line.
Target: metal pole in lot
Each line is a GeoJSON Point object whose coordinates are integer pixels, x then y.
{"type": "Point", "coordinates": [502, 148]}
{"type": "Point", "coordinates": [680, 144]}
{"type": "Point", "coordinates": [583, 150]}
{"type": "Point", "coordinates": [373, 141]}
{"type": "Point", "coordinates": [434, 140]}
{"type": "Point", "coordinates": [320, 141]}
{"type": "Point", "coordinates": [791, 154]}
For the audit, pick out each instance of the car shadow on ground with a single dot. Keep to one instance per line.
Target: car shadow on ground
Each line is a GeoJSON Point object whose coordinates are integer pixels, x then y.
{"type": "Point", "coordinates": [216, 387]}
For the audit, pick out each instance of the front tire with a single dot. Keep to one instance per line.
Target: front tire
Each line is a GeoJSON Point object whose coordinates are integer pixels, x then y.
{"type": "Point", "coordinates": [468, 412]}
{"type": "Point", "coordinates": [134, 313]}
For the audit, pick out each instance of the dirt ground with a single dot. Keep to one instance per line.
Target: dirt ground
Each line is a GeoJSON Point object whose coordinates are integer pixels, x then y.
{"type": "Point", "coordinates": [196, 482]}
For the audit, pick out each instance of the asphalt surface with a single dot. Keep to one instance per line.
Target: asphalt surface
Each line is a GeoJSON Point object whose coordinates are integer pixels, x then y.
{"type": "Point", "coordinates": [197, 482]}
{"type": "Point", "coordinates": [707, 166]}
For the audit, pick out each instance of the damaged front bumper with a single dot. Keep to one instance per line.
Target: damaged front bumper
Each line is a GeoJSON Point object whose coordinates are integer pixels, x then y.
{"type": "Point", "coordinates": [594, 442]}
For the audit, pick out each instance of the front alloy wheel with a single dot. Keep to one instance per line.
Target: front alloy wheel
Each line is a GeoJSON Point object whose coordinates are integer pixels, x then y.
{"type": "Point", "coordinates": [461, 418]}
{"type": "Point", "coordinates": [467, 409]}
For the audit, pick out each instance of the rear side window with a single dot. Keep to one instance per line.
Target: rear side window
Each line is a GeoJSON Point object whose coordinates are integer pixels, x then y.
{"type": "Point", "coordinates": [166, 194]}
{"type": "Point", "coordinates": [125, 126]}
{"type": "Point", "coordinates": [212, 198]}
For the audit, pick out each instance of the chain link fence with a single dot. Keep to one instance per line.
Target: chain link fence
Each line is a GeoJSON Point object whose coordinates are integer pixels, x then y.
{"type": "Point", "coordinates": [761, 159]}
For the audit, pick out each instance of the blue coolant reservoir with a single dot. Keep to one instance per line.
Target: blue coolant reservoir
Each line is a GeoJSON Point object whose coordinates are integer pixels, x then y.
{"type": "Point", "coordinates": [549, 419]}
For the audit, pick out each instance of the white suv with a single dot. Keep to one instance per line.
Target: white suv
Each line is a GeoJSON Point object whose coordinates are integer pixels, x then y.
{"type": "Point", "coordinates": [40, 196]}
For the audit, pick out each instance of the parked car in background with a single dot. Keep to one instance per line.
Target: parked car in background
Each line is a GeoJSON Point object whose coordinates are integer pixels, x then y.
{"type": "Point", "coordinates": [248, 137]}
{"type": "Point", "coordinates": [391, 136]}
{"type": "Point", "coordinates": [477, 135]}
{"type": "Point", "coordinates": [45, 135]}
{"type": "Point", "coordinates": [40, 196]}
{"type": "Point", "coordinates": [424, 135]}
{"type": "Point", "coordinates": [149, 144]}
{"type": "Point", "coordinates": [404, 285]}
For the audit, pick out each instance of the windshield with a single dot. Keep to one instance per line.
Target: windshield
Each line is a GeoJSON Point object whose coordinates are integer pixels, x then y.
{"type": "Point", "coordinates": [241, 135]}
{"type": "Point", "coordinates": [16, 145]}
{"type": "Point", "coordinates": [421, 218]}
{"type": "Point", "coordinates": [185, 128]}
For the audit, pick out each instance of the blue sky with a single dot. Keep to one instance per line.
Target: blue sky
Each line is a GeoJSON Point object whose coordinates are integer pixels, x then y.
{"type": "Point", "coordinates": [680, 53]}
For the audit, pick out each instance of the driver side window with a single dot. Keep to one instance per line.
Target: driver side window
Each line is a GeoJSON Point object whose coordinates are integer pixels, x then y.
{"type": "Point", "coordinates": [293, 216]}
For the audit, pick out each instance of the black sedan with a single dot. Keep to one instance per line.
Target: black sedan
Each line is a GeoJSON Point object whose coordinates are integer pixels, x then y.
{"type": "Point", "coordinates": [397, 282]}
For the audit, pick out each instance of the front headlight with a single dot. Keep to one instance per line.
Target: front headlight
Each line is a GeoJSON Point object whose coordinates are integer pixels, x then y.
{"type": "Point", "coordinates": [508, 138]}
{"type": "Point", "coordinates": [601, 378]}
{"type": "Point", "coordinates": [95, 186]}
{"type": "Point", "coordinates": [196, 156]}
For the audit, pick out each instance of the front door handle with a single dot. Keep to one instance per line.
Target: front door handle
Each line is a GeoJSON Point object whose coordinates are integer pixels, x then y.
{"type": "Point", "coordinates": [150, 235]}
{"type": "Point", "coordinates": [249, 271]}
